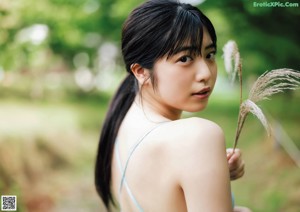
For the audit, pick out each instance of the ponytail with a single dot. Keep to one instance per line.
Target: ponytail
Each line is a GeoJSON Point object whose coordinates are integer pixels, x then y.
{"type": "Point", "coordinates": [120, 105]}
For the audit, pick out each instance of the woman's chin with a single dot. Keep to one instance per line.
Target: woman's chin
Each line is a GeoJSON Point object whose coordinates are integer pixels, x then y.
{"type": "Point", "coordinates": [196, 108]}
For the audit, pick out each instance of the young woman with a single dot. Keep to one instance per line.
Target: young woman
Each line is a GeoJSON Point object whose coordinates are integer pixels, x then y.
{"type": "Point", "coordinates": [149, 159]}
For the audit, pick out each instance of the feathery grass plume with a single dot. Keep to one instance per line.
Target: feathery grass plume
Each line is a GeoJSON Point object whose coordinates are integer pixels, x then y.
{"type": "Point", "coordinates": [266, 85]}
{"type": "Point", "coordinates": [246, 107]}
{"type": "Point", "coordinates": [273, 82]}
{"type": "Point", "coordinates": [232, 57]}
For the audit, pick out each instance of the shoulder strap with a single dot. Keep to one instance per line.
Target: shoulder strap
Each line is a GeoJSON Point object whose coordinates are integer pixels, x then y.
{"type": "Point", "coordinates": [132, 151]}
{"type": "Point", "coordinates": [123, 171]}
{"type": "Point", "coordinates": [125, 182]}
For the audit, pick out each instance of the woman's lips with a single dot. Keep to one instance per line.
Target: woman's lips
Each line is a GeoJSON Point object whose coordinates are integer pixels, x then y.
{"type": "Point", "coordinates": [202, 94]}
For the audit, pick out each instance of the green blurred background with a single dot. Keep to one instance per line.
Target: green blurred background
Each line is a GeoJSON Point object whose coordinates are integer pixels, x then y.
{"type": "Point", "coordinates": [60, 63]}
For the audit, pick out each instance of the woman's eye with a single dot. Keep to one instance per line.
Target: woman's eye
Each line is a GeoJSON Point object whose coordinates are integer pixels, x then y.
{"type": "Point", "coordinates": [185, 59]}
{"type": "Point", "coordinates": [211, 56]}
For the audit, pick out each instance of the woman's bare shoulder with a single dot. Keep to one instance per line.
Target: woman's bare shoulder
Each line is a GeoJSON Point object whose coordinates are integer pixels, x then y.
{"type": "Point", "coordinates": [194, 142]}
{"type": "Point", "coordinates": [194, 129]}
{"type": "Point", "coordinates": [198, 160]}
{"type": "Point", "coordinates": [188, 137]}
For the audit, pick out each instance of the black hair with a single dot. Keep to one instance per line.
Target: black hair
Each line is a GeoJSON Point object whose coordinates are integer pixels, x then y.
{"type": "Point", "coordinates": [155, 29]}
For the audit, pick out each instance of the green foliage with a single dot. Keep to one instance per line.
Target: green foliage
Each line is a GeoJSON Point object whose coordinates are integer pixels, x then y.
{"type": "Point", "coordinates": [70, 24]}
{"type": "Point", "coordinates": [267, 37]}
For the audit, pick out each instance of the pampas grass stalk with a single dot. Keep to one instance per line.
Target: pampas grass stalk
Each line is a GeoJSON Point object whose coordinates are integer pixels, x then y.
{"type": "Point", "coordinates": [268, 84]}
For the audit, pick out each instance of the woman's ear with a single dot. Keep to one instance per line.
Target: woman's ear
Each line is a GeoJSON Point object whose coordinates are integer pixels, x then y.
{"type": "Point", "coordinates": [140, 73]}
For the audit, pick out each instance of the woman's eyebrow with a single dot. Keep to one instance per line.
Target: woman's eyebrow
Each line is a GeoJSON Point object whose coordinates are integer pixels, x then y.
{"type": "Point", "coordinates": [185, 48]}
{"type": "Point", "coordinates": [212, 45]}
{"type": "Point", "coordinates": [192, 48]}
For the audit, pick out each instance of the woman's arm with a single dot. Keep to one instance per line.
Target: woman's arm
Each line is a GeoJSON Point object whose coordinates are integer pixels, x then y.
{"type": "Point", "coordinates": [203, 169]}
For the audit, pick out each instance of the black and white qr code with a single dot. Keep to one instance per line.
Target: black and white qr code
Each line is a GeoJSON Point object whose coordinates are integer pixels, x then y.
{"type": "Point", "coordinates": [8, 203]}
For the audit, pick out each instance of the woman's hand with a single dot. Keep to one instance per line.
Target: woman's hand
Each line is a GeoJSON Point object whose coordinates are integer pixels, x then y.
{"type": "Point", "coordinates": [236, 163]}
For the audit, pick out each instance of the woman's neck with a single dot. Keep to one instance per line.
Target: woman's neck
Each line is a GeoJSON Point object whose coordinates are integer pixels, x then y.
{"type": "Point", "coordinates": [155, 111]}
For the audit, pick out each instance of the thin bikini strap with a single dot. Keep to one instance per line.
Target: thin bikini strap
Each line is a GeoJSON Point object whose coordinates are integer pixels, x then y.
{"type": "Point", "coordinates": [123, 180]}
{"type": "Point", "coordinates": [132, 150]}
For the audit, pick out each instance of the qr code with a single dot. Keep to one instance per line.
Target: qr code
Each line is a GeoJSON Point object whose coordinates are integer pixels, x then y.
{"type": "Point", "coordinates": [8, 203]}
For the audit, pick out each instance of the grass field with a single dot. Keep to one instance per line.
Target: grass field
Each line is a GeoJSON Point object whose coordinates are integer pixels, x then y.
{"type": "Point", "coordinates": [48, 148]}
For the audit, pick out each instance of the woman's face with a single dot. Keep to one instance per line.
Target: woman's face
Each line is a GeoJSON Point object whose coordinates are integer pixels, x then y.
{"type": "Point", "coordinates": [185, 81]}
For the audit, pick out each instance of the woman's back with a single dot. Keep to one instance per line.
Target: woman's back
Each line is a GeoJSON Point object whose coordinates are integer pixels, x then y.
{"type": "Point", "coordinates": [175, 161]}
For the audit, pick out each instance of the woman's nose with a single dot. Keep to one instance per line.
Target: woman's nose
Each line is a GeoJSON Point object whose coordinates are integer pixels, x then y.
{"type": "Point", "coordinates": [203, 71]}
